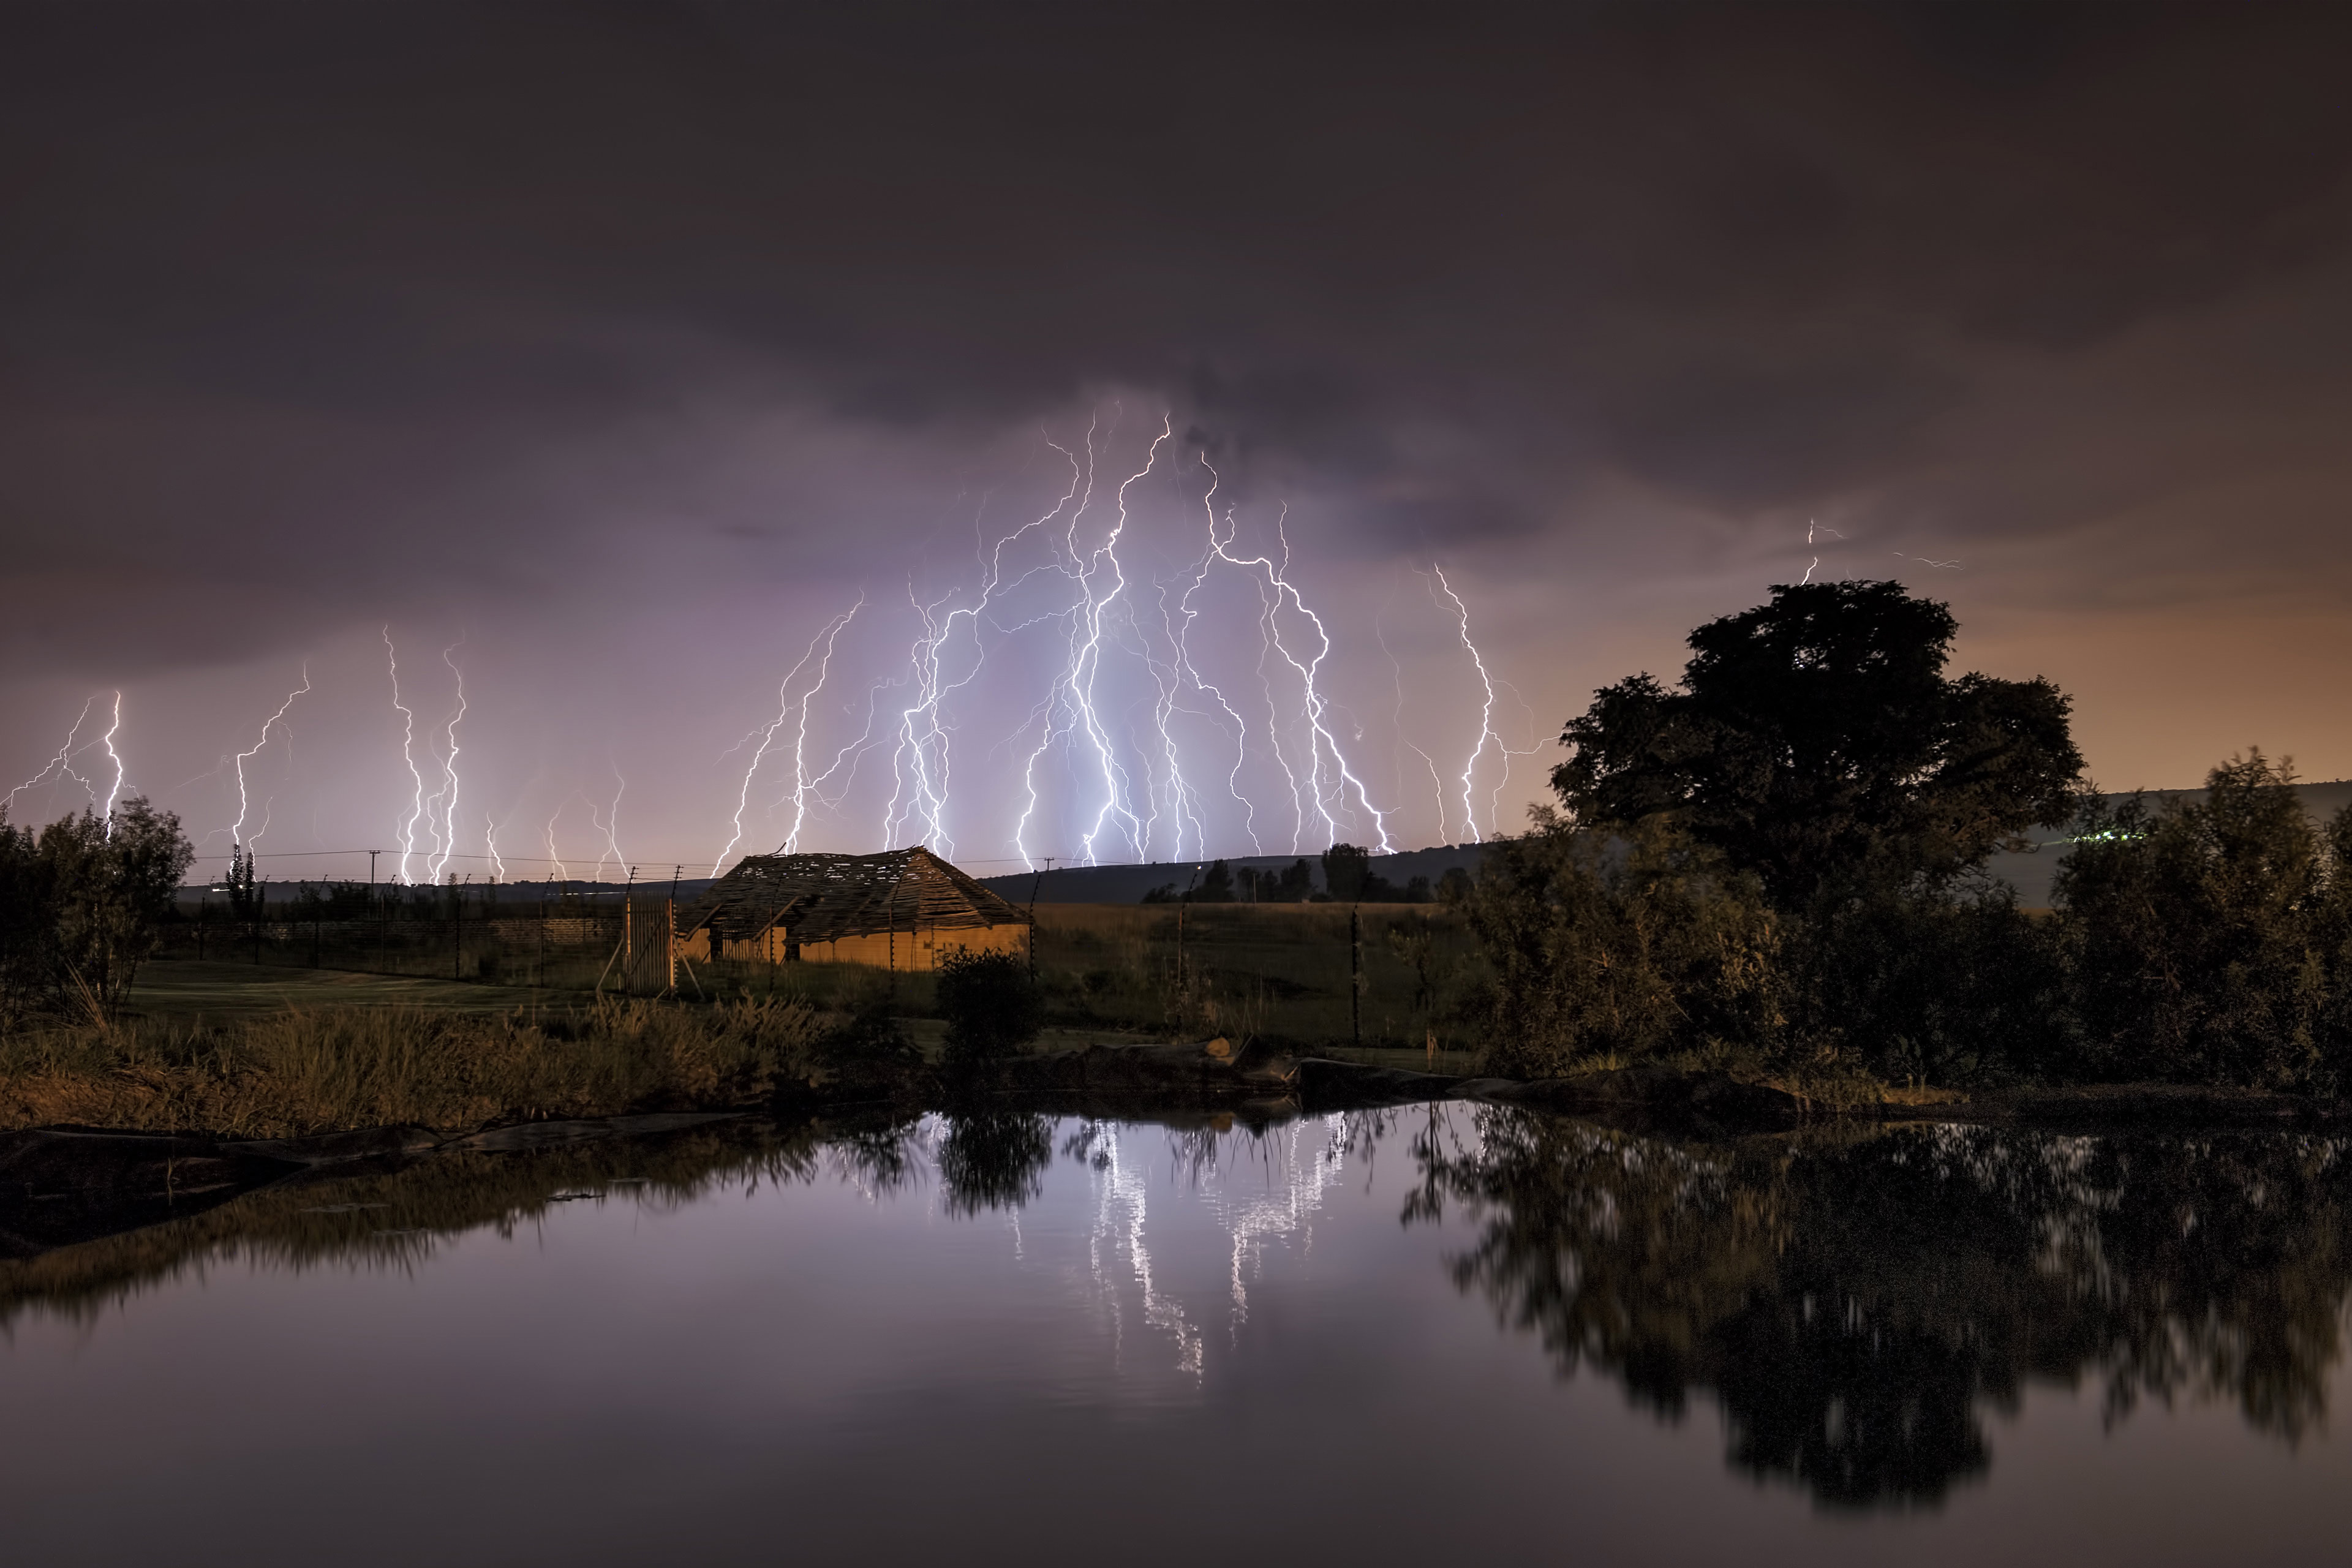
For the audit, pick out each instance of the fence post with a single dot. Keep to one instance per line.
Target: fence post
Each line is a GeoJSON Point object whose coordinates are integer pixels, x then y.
{"type": "Point", "coordinates": [1032, 926]}
{"type": "Point", "coordinates": [1355, 974]}
{"type": "Point", "coordinates": [457, 934]}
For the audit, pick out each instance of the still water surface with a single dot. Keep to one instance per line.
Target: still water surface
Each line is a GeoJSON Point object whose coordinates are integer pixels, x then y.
{"type": "Point", "coordinates": [1416, 1337]}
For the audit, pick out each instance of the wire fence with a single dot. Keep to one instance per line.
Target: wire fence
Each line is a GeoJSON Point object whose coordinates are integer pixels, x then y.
{"type": "Point", "coordinates": [567, 941]}
{"type": "Point", "coordinates": [1379, 976]}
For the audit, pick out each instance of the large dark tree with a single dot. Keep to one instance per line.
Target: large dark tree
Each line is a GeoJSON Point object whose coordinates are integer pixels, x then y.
{"type": "Point", "coordinates": [1816, 741]}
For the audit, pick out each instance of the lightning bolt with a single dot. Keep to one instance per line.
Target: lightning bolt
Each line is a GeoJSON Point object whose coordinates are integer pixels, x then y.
{"type": "Point", "coordinates": [609, 827]}
{"type": "Point", "coordinates": [1170, 677]}
{"type": "Point", "coordinates": [806, 788]}
{"type": "Point", "coordinates": [114, 789]}
{"type": "Point", "coordinates": [922, 744]}
{"type": "Point", "coordinates": [1321, 741]}
{"type": "Point", "coordinates": [1087, 671]}
{"type": "Point", "coordinates": [1183, 802]}
{"type": "Point", "coordinates": [1486, 734]}
{"type": "Point", "coordinates": [785, 707]}
{"type": "Point", "coordinates": [1082, 489]}
{"type": "Point", "coordinates": [554, 855]}
{"type": "Point", "coordinates": [276, 720]}
{"type": "Point", "coordinates": [490, 842]}
{"type": "Point", "coordinates": [1812, 530]}
{"type": "Point", "coordinates": [408, 755]}
{"type": "Point", "coordinates": [1184, 658]}
{"type": "Point", "coordinates": [62, 763]}
{"type": "Point", "coordinates": [445, 800]}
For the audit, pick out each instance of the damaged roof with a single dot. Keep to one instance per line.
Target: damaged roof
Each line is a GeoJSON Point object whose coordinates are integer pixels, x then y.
{"type": "Point", "coordinates": [820, 898]}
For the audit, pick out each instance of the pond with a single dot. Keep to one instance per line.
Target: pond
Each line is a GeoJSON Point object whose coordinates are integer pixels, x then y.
{"type": "Point", "coordinates": [1416, 1335]}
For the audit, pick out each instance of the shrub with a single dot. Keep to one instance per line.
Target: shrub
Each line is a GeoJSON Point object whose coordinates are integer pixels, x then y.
{"type": "Point", "coordinates": [1610, 948]}
{"type": "Point", "coordinates": [80, 906]}
{"type": "Point", "coordinates": [990, 1005]}
{"type": "Point", "coordinates": [869, 1037]}
{"type": "Point", "coordinates": [1951, 985]}
{"type": "Point", "coordinates": [2196, 935]}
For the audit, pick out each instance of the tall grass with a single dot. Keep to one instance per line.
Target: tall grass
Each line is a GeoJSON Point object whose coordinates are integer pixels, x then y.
{"type": "Point", "coordinates": [1276, 971]}
{"type": "Point", "coordinates": [303, 1072]}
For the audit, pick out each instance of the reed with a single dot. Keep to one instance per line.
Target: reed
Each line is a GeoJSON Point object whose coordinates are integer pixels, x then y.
{"type": "Point", "coordinates": [309, 1070]}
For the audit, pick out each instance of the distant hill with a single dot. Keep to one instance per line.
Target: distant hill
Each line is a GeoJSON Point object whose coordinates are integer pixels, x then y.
{"type": "Point", "coordinates": [2029, 872]}
{"type": "Point", "coordinates": [1128, 884]}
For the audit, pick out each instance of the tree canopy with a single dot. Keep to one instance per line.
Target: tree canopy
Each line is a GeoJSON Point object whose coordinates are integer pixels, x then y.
{"type": "Point", "coordinates": [1816, 741]}
{"type": "Point", "coordinates": [81, 903]}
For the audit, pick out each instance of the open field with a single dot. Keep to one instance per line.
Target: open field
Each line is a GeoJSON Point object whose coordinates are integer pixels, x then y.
{"type": "Point", "coordinates": [1280, 973]}
{"type": "Point", "coordinates": [1277, 972]}
{"type": "Point", "coordinates": [209, 988]}
{"type": "Point", "coordinates": [290, 1071]}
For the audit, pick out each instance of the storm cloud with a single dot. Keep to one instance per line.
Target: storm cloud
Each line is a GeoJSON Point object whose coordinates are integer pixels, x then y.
{"type": "Point", "coordinates": [623, 316]}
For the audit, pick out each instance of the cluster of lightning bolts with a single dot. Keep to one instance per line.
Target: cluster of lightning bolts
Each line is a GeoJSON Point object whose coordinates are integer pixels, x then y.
{"type": "Point", "coordinates": [1146, 795]}
{"type": "Point", "coordinates": [429, 831]}
{"type": "Point", "coordinates": [60, 768]}
{"type": "Point", "coordinates": [1142, 791]}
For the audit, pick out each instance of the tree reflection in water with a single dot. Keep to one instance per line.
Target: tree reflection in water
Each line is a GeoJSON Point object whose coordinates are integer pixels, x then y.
{"type": "Point", "coordinates": [1852, 1297]}
{"type": "Point", "coordinates": [993, 1159]}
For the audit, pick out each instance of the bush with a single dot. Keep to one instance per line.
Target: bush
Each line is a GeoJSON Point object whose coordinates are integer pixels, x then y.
{"type": "Point", "coordinates": [869, 1037]}
{"type": "Point", "coordinates": [1949, 985]}
{"type": "Point", "coordinates": [1609, 949]}
{"type": "Point", "coordinates": [80, 906]}
{"type": "Point", "coordinates": [990, 1005]}
{"type": "Point", "coordinates": [2201, 938]}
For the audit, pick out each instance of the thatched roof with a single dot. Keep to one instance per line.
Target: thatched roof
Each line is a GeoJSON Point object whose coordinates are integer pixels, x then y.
{"type": "Point", "coordinates": [819, 898]}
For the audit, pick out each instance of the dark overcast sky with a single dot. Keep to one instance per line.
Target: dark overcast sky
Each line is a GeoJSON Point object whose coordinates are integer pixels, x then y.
{"type": "Point", "coordinates": [629, 341]}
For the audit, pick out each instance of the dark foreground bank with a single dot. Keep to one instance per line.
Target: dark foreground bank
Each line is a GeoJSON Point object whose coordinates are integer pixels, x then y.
{"type": "Point", "coordinates": [62, 1186]}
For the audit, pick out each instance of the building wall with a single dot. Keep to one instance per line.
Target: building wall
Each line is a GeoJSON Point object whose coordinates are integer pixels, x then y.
{"type": "Point", "coordinates": [915, 950]}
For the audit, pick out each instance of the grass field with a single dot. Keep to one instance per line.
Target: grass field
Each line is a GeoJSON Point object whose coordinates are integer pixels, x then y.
{"type": "Point", "coordinates": [1282, 973]}
{"type": "Point", "coordinates": [1276, 971]}
{"type": "Point", "coordinates": [281, 1048]}
{"type": "Point", "coordinates": [207, 988]}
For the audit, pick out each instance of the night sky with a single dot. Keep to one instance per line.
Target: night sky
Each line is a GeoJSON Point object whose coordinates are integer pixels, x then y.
{"type": "Point", "coordinates": [620, 349]}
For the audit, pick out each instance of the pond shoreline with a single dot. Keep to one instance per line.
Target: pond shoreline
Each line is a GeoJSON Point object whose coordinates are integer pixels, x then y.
{"type": "Point", "coordinates": [61, 1185]}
